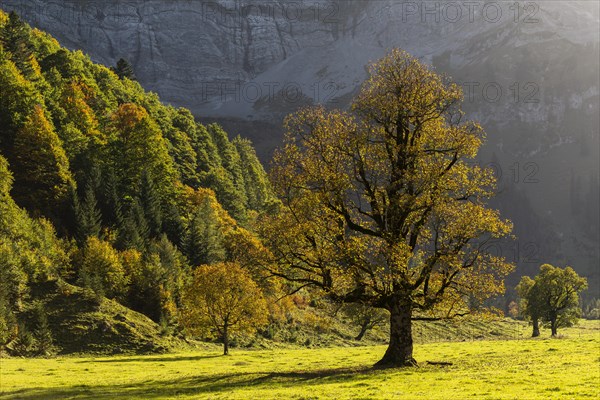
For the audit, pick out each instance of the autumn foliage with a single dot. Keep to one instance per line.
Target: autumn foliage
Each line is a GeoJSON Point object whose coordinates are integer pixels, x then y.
{"type": "Point", "coordinates": [223, 300]}
{"type": "Point", "coordinates": [381, 205]}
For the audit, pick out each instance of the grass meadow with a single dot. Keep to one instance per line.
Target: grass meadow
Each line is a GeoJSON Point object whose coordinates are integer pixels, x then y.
{"type": "Point", "coordinates": [567, 367]}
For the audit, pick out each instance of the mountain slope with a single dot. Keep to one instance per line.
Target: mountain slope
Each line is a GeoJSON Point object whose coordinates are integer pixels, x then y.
{"type": "Point", "coordinates": [104, 187]}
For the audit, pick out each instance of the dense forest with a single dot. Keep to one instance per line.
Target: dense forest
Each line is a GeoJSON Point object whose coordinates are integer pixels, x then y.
{"type": "Point", "coordinates": [106, 188]}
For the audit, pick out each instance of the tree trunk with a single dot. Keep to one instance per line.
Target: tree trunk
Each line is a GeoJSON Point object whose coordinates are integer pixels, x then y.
{"type": "Point", "coordinates": [400, 350]}
{"type": "Point", "coordinates": [536, 328]}
{"type": "Point", "coordinates": [225, 341]}
{"type": "Point", "coordinates": [553, 327]}
{"type": "Point", "coordinates": [363, 329]}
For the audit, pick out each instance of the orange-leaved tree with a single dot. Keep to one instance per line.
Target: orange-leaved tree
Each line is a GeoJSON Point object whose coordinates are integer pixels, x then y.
{"type": "Point", "coordinates": [223, 299]}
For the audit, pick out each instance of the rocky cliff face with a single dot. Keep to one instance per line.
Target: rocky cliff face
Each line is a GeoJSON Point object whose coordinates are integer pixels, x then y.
{"type": "Point", "coordinates": [529, 71]}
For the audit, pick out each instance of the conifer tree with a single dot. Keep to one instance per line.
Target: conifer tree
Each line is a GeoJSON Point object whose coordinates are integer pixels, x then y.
{"type": "Point", "coordinates": [230, 158]}
{"type": "Point", "coordinates": [203, 242]}
{"type": "Point", "coordinates": [134, 231]}
{"type": "Point", "coordinates": [183, 137]}
{"type": "Point", "coordinates": [150, 202]}
{"type": "Point", "coordinates": [206, 151]}
{"type": "Point", "coordinates": [15, 36]}
{"type": "Point", "coordinates": [258, 190]}
{"type": "Point", "coordinates": [89, 218]}
{"type": "Point", "coordinates": [221, 182]}
{"type": "Point", "coordinates": [173, 225]}
{"type": "Point", "coordinates": [44, 343]}
{"type": "Point", "coordinates": [110, 202]}
{"type": "Point", "coordinates": [220, 169]}
{"type": "Point", "coordinates": [124, 70]}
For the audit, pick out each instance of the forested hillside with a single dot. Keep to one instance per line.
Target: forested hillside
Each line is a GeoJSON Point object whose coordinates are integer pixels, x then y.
{"type": "Point", "coordinates": [105, 187]}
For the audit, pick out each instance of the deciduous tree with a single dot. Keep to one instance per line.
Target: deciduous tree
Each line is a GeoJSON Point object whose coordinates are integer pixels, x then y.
{"type": "Point", "coordinates": [382, 206]}
{"type": "Point", "coordinates": [101, 269]}
{"type": "Point", "coordinates": [552, 296]}
{"type": "Point", "coordinates": [528, 303]}
{"type": "Point", "coordinates": [365, 317]}
{"type": "Point", "coordinates": [222, 299]}
{"type": "Point", "coordinates": [41, 165]}
{"type": "Point", "coordinates": [137, 147]}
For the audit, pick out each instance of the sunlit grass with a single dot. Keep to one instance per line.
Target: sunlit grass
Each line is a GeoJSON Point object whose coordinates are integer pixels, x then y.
{"type": "Point", "coordinates": [545, 368]}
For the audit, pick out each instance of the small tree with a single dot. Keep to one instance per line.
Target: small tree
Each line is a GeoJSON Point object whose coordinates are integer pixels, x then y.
{"type": "Point", "coordinates": [124, 69]}
{"type": "Point", "coordinates": [592, 309]}
{"type": "Point", "coordinates": [365, 317]}
{"type": "Point", "coordinates": [24, 343]}
{"type": "Point", "coordinates": [529, 303]}
{"type": "Point", "coordinates": [100, 269]}
{"type": "Point", "coordinates": [42, 333]}
{"type": "Point", "coordinates": [150, 202]}
{"type": "Point", "coordinates": [223, 299]}
{"type": "Point", "coordinates": [87, 214]}
{"type": "Point", "coordinates": [553, 296]}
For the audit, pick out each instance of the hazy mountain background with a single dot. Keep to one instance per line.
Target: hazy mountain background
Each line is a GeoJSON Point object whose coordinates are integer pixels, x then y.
{"type": "Point", "coordinates": [530, 75]}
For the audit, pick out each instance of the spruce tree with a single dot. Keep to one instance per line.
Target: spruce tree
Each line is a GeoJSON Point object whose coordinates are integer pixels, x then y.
{"type": "Point", "coordinates": [207, 153]}
{"type": "Point", "coordinates": [182, 137]}
{"type": "Point", "coordinates": [44, 343]}
{"type": "Point", "coordinates": [16, 108]}
{"type": "Point", "coordinates": [89, 218]}
{"type": "Point", "coordinates": [24, 343]}
{"type": "Point", "coordinates": [150, 202]}
{"type": "Point", "coordinates": [173, 225]}
{"type": "Point", "coordinates": [134, 231]}
{"type": "Point", "coordinates": [230, 158]}
{"type": "Point", "coordinates": [137, 145]}
{"type": "Point", "coordinates": [11, 278]}
{"type": "Point", "coordinates": [203, 243]}
{"type": "Point", "coordinates": [193, 241]}
{"type": "Point", "coordinates": [124, 70]}
{"type": "Point", "coordinates": [227, 193]}
{"type": "Point", "coordinates": [110, 202]}
{"type": "Point", "coordinates": [258, 188]}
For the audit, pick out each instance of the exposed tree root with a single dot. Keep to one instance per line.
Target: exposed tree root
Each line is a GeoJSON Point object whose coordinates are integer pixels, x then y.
{"type": "Point", "coordinates": [444, 363]}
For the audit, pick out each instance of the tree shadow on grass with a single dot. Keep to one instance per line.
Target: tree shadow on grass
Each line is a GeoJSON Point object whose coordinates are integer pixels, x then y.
{"type": "Point", "coordinates": [151, 359]}
{"type": "Point", "coordinates": [196, 385]}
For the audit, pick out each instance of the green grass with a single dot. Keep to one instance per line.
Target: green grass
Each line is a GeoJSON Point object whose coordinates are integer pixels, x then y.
{"type": "Point", "coordinates": [544, 368]}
